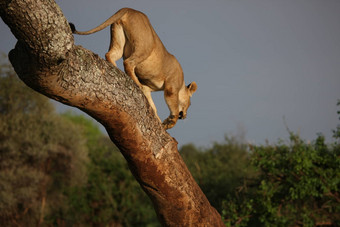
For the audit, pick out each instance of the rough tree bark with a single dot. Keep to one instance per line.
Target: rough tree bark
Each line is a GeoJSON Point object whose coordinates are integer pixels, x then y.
{"type": "Point", "coordinates": [47, 60]}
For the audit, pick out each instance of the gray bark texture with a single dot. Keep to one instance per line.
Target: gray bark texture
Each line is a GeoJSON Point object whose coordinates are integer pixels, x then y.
{"type": "Point", "coordinates": [47, 60]}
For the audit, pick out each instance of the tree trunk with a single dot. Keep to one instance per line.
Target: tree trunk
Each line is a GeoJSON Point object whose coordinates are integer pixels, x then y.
{"type": "Point", "coordinates": [47, 60]}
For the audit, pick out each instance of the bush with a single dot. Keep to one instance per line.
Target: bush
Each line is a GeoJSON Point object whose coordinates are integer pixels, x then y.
{"type": "Point", "coordinates": [297, 185]}
{"type": "Point", "coordinates": [220, 169]}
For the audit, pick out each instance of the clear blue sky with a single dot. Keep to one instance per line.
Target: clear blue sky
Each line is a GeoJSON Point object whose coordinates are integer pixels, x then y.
{"type": "Point", "coordinates": [255, 62]}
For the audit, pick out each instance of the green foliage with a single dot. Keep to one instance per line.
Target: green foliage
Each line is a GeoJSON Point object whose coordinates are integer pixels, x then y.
{"type": "Point", "coordinates": [40, 154]}
{"type": "Point", "coordinates": [218, 170]}
{"type": "Point", "coordinates": [297, 184]}
{"type": "Point", "coordinates": [336, 132]}
{"type": "Point", "coordinates": [89, 130]}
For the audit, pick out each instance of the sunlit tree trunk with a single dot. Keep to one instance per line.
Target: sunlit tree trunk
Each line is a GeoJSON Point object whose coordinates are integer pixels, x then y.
{"type": "Point", "coordinates": [47, 60]}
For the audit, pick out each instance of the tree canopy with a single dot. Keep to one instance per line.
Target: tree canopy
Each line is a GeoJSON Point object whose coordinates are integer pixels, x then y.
{"type": "Point", "coordinates": [41, 153]}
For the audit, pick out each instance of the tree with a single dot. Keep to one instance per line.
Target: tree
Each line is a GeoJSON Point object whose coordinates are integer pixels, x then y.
{"type": "Point", "coordinates": [47, 60]}
{"type": "Point", "coordinates": [40, 154]}
{"type": "Point", "coordinates": [336, 132]}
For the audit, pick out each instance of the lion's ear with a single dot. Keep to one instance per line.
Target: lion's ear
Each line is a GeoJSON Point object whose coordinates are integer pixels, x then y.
{"type": "Point", "coordinates": [192, 87]}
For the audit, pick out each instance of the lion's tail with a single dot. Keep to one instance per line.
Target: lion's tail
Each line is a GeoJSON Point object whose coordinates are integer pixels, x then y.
{"type": "Point", "coordinates": [106, 23]}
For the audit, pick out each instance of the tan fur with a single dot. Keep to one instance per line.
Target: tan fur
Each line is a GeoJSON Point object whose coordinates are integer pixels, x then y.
{"type": "Point", "coordinates": [147, 61]}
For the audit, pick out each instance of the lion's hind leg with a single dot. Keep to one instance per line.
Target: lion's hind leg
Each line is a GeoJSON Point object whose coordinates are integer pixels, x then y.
{"type": "Point", "coordinates": [131, 63]}
{"type": "Point", "coordinates": [117, 43]}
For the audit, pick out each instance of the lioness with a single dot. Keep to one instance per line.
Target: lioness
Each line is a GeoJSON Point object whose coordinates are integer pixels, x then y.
{"type": "Point", "coordinates": [147, 61]}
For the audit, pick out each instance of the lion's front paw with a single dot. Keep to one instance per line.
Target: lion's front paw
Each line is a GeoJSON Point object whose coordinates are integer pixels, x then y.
{"type": "Point", "coordinates": [170, 122]}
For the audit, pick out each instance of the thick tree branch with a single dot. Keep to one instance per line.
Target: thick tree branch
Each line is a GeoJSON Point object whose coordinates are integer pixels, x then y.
{"type": "Point", "coordinates": [47, 60]}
